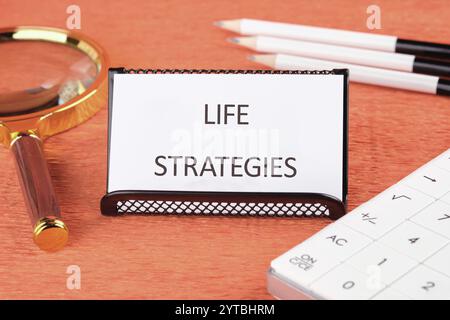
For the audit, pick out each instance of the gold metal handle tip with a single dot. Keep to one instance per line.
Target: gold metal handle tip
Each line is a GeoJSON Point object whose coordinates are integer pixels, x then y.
{"type": "Point", "coordinates": [50, 234]}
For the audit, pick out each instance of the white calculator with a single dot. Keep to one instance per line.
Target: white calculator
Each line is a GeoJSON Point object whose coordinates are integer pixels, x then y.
{"type": "Point", "coordinates": [395, 246]}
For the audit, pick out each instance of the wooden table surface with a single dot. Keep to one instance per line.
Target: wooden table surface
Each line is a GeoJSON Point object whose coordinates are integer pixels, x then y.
{"type": "Point", "coordinates": [392, 132]}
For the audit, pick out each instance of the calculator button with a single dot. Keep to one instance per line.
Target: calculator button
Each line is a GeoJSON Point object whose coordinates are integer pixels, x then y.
{"type": "Point", "coordinates": [446, 198]}
{"type": "Point", "coordinates": [319, 254]}
{"type": "Point", "coordinates": [424, 283]}
{"type": "Point", "coordinates": [346, 283]}
{"type": "Point", "coordinates": [390, 294]}
{"type": "Point", "coordinates": [382, 263]}
{"type": "Point", "coordinates": [440, 261]}
{"type": "Point", "coordinates": [430, 179]}
{"type": "Point", "coordinates": [435, 217]}
{"type": "Point", "coordinates": [387, 210]}
{"type": "Point", "coordinates": [443, 161]}
{"type": "Point", "coordinates": [414, 240]}
{"type": "Point", "coordinates": [341, 241]}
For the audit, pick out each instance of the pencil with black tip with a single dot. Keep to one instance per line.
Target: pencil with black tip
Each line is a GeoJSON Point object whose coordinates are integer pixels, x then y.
{"type": "Point", "coordinates": [363, 74]}
{"type": "Point", "coordinates": [371, 58]}
{"type": "Point", "coordinates": [346, 38]}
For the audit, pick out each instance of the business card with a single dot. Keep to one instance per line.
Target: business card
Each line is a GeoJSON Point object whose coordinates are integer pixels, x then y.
{"type": "Point", "coordinates": [233, 132]}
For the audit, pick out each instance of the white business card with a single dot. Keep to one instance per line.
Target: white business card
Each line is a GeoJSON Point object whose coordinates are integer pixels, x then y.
{"type": "Point", "coordinates": [228, 133]}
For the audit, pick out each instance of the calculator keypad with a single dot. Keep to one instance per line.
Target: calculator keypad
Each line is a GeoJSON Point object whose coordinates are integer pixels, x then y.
{"type": "Point", "coordinates": [424, 283]}
{"type": "Point", "coordinates": [443, 161]}
{"type": "Point", "coordinates": [395, 246]}
{"type": "Point", "coordinates": [319, 254]}
{"type": "Point", "coordinates": [446, 198]}
{"type": "Point", "coordinates": [347, 283]}
{"type": "Point", "coordinates": [383, 213]}
{"type": "Point", "coordinates": [381, 263]}
{"type": "Point", "coordinates": [435, 217]}
{"type": "Point", "coordinates": [414, 240]}
{"type": "Point", "coordinates": [431, 180]}
{"type": "Point", "coordinates": [440, 261]}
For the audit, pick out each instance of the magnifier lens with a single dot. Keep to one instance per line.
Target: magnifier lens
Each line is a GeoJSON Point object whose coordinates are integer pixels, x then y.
{"type": "Point", "coordinates": [38, 75]}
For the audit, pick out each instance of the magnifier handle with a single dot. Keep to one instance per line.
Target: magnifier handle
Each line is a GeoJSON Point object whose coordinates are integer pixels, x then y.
{"type": "Point", "coordinates": [50, 232]}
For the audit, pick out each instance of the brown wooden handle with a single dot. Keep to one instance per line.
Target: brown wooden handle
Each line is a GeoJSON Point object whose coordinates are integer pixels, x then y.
{"type": "Point", "coordinates": [50, 232]}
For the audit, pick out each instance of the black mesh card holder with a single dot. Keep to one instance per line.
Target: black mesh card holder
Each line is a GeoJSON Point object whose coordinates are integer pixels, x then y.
{"type": "Point", "coordinates": [205, 203]}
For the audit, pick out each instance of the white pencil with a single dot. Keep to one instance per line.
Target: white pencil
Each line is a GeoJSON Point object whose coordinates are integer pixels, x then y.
{"type": "Point", "coordinates": [337, 37]}
{"type": "Point", "coordinates": [362, 74]}
{"type": "Point", "coordinates": [379, 59]}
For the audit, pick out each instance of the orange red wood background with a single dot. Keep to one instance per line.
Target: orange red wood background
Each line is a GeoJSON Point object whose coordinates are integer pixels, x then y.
{"type": "Point", "coordinates": [391, 133]}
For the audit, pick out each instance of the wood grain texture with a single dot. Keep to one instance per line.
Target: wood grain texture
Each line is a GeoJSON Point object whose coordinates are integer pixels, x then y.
{"type": "Point", "coordinates": [392, 132]}
{"type": "Point", "coordinates": [34, 178]}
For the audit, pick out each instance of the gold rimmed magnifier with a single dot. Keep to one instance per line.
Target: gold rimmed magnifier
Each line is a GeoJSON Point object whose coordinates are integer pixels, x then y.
{"type": "Point", "coordinates": [52, 80]}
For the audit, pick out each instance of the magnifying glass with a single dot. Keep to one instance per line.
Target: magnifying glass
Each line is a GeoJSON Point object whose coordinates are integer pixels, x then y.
{"type": "Point", "coordinates": [52, 80]}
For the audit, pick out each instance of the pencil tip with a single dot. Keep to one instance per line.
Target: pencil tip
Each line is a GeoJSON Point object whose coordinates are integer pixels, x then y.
{"type": "Point", "coordinates": [230, 25]}
{"type": "Point", "coordinates": [265, 59]}
{"type": "Point", "coordinates": [249, 42]}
